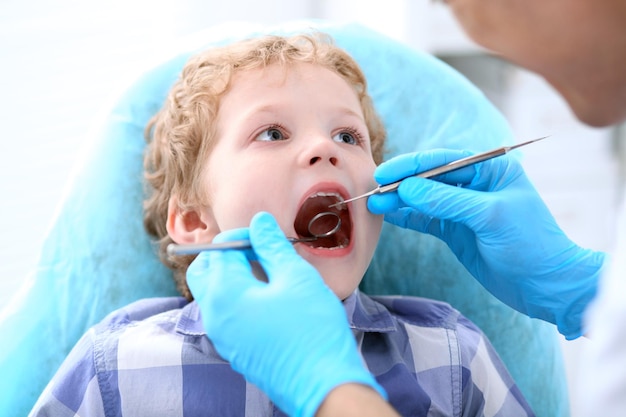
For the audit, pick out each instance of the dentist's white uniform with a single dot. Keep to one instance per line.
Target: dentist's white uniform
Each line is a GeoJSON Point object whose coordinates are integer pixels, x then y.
{"type": "Point", "coordinates": [602, 383]}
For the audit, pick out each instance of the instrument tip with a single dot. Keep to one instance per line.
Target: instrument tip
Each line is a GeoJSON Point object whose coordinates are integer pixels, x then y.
{"type": "Point", "coordinates": [528, 142]}
{"type": "Point", "coordinates": [341, 203]}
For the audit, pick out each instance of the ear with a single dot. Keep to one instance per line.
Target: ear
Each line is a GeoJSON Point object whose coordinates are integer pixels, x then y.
{"type": "Point", "coordinates": [190, 226]}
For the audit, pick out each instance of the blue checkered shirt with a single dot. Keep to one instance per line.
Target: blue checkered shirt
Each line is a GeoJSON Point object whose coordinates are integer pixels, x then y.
{"type": "Point", "coordinates": [152, 358]}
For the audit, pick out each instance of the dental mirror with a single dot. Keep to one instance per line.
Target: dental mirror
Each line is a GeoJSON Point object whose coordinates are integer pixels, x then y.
{"type": "Point", "coordinates": [318, 227]}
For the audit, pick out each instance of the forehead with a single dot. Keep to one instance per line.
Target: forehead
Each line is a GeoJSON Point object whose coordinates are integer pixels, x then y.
{"type": "Point", "coordinates": [292, 81]}
{"type": "Point", "coordinates": [279, 73]}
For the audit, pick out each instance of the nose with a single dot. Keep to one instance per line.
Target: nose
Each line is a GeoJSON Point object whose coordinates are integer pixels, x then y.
{"type": "Point", "coordinates": [319, 150]}
{"type": "Point", "coordinates": [316, 159]}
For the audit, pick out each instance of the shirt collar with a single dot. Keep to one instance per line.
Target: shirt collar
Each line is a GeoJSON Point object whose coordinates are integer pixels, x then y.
{"type": "Point", "coordinates": [363, 313]}
{"type": "Point", "coordinates": [367, 315]}
{"type": "Point", "coordinates": [189, 321]}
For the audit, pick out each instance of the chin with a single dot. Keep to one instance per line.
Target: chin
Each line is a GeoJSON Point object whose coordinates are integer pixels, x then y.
{"type": "Point", "coordinates": [342, 292]}
{"type": "Point", "coordinates": [594, 117]}
{"type": "Point", "coordinates": [342, 281]}
{"type": "Point", "coordinates": [595, 106]}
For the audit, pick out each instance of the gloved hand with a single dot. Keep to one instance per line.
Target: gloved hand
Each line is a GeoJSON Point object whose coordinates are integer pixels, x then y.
{"type": "Point", "coordinates": [493, 219]}
{"type": "Point", "coordinates": [290, 336]}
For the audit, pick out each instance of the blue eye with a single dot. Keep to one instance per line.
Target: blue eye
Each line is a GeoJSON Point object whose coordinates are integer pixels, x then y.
{"type": "Point", "coordinates": [270, 135]}
{"type": "Point", "coordinates": [349, 138]}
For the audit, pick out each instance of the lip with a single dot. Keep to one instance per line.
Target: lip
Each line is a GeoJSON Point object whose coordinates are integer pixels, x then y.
{"type": "Point", "coordinates": [335, 188]}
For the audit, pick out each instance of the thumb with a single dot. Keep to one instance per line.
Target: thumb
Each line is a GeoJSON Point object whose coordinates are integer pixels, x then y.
{"type": "Point", "coordinates": [271, 246]}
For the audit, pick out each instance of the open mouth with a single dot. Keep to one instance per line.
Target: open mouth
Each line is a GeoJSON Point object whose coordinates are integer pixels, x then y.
{"type": "Point", "coordinates": [312, 207]}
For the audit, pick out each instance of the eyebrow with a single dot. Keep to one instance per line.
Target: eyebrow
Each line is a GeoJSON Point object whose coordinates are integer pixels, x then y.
{"type": "Point", "coordinates": [274, 109]}
{"type": "Point", "coordinates": [350, 112]}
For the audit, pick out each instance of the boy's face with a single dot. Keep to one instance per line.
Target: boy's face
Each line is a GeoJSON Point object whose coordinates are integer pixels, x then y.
{"type": "Point", "coordinates": [285, 135]}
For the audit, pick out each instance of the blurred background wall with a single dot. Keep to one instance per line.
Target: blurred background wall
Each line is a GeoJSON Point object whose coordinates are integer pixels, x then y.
{"type": "Point", "coordinates": [63, 61]}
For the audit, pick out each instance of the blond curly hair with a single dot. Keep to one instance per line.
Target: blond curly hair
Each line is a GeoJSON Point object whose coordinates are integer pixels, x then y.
{"type": "Point", "coordinates": [182, 134]}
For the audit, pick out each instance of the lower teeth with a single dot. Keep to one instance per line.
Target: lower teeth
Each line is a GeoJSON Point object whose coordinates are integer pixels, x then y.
{"type": "Point", "coordinates": [333, 248]}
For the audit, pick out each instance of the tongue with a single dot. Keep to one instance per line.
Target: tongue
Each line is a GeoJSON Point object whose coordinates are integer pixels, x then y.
{"type": "Point", "coordinates": [311, 208]}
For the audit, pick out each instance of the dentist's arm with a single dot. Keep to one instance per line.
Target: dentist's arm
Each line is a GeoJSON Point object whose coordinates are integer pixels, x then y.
{"type": "Point", "coordinates": [493, 219]}
{"type": "Point", "coordinates": [289, 336]}
{"type": "Point", "coordinates": [354, 400]}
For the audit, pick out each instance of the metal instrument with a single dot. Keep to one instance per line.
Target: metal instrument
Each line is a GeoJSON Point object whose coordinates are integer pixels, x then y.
{"type": "Point", "coordinates": [192, 249]}
{"type": "Point", "coordinates": [452, 166]}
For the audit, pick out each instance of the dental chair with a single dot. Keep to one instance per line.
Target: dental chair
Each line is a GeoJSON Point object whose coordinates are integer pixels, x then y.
{"type": "Point", "coordinates": [97, 256]}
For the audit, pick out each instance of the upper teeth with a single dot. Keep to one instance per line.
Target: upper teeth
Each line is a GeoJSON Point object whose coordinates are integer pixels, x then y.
{"type": "Point", "coordinates": [331, 194]}
{"type": "Point", "coordinates": [326, 194]}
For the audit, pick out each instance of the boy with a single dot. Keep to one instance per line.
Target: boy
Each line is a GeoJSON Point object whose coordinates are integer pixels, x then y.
{"type": "Point", "coordinates": [285, 126]}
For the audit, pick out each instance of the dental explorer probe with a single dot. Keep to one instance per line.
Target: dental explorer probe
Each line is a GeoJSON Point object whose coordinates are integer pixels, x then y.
{"type": "Point", "coordinates": [195, 248]}
{"type": "Point", "coordinates": [452, 166]}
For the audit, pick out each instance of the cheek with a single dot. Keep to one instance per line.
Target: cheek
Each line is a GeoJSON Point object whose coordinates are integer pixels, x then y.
{"type": "Point", "coordinates": [366, 175]}
{"type": "Point", "coordinates": [377, 222]}
{"type": "Point", "coordinates": [226, 190]}
{"type": "Point", "coordinates": [233, 205]}
{"type": "Point", "coordinates": [375, 226]}
{"type": "Point", "coordinates": [236, 199]}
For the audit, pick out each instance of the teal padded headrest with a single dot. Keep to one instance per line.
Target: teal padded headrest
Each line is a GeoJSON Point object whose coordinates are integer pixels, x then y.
{"type": "Point", "coordinates": [97, 256]}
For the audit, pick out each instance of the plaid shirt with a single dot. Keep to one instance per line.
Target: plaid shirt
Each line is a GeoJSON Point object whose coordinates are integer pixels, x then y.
{"type": "Point", "coordinates": [152, 358]}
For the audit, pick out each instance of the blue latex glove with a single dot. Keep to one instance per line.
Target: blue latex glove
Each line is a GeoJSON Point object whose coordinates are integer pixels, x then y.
{"type": "Point", "coordinates": [291, 336]}
{"type": "Point", "coordinates": [493, 219]}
